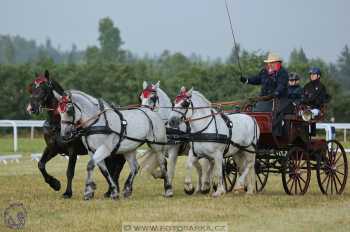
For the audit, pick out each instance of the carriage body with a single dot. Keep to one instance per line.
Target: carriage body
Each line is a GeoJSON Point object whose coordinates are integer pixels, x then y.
{"type": "Point", "coordinates": [296, 153]}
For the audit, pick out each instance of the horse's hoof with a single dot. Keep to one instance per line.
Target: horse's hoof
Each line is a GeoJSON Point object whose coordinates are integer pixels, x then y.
{"type": "Point", "coordinates": [55, 184]}
{"type": "Point", "coordinates": [217, 194]}
{"type": "Point", "coordinates": [205, 191]}
{"type": "Point", "coordinates": [114, 196]}
{"type": "Point", "coordinates": [67, 195]}
{"type": "Point", "coordinates": [107, 194]}
{"type": "Point", "coordinates": [127, 193]}
{"type": "Point", "coordinates": [189, 191]}
{"type": "Point", "coordinates": [88, 196]}
{"type": "Point", "coordinates": [169, 193]}
{"type": "Point", "coordinates": [239, 190]}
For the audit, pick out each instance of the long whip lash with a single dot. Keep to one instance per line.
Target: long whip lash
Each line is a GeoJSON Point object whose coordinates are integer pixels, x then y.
{"type": "Point", "coordinates": [234, 39]}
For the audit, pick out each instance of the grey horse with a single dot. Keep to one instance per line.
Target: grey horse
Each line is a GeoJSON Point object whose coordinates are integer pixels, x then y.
{"type": "Point", "coordinates": [105, 129]}
{"type": "Point", "coordinates": [192, 106]}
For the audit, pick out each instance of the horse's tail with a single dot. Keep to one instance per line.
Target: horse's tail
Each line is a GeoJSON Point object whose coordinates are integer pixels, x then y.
{"type": "Point", "coordinates": [149, 161]}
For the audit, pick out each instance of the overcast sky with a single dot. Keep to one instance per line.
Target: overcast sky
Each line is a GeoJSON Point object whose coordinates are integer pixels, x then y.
{"type": "Point", "coordinates": [321, 27]}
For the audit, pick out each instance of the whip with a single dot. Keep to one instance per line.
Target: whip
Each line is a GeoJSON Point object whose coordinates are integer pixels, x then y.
{"type": "Point", "coordinates": [234, 39]}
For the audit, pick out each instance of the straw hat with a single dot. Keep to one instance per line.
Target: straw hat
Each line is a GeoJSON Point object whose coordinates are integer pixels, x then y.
{"type": "Point", "coordinates": [273, 57]}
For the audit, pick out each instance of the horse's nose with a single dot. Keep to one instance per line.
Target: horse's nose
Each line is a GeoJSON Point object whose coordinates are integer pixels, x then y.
{"type": "Point", "coordinates": [174, 122]}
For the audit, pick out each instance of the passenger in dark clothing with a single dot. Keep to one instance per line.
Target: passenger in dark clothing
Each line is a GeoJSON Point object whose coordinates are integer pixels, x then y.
{"type": "Point", "coordinates": [295, 91]}
{"type": "Point", "coordinates": [274, 83]}
{"type": "Point", "coordinates": [315, 94]}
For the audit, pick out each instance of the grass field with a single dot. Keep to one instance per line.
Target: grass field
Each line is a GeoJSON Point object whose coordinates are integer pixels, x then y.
{"type": "Point", "coordinates": [271, 210]}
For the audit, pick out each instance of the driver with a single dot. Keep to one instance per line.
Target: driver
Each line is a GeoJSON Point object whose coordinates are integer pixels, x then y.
{"type": "Point", "coordinates": [273, 79]}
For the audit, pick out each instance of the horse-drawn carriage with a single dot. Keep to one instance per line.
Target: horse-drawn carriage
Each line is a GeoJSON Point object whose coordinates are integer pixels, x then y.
{"type": "Point", "coordinates": [294, 155]}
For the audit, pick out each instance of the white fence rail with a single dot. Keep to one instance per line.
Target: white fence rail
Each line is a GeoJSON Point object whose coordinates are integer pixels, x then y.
{"type": "Point", "coordinates": [39, 123]}
{"type": "Point", "coordinates": [20, 123]}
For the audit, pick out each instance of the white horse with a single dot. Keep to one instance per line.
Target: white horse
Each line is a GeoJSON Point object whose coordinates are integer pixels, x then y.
{"type": "Point", "coordinates": [155, 98]}
{"type": "Point", "coordinates": [193, 107]}
{"type": "Point", "coordinates": [106, 130]}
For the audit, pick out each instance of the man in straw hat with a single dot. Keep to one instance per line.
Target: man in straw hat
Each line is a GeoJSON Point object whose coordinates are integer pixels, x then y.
{"type": "Point", "coordinates": [273, 79]}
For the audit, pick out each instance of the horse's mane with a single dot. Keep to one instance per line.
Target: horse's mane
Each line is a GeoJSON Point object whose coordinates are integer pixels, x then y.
{"type": "Point", "coordinates": [164, 94]}
{"type": "Point", "coordinates": [200, 95]}
{"type": "Point", "coordinates": [90, 98]}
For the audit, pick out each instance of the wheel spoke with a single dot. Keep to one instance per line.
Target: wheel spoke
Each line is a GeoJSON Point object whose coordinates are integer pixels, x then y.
{"type": "Point", "coordinates": [260, 179]}
{"type": "Point", "coordinates": [289, 180]}
{"type": "Point", "coordinates": [301, 178]}
{"type": "Point", "coordinates": [342, 164]}
{"type": "Point", "coordinates": [331, 184]}
{"type": "Point", "coordinates": [340, 155]}
{"type": "Point", "coordinates": [301, 159]}
{"type": "Point", "coordinates": [291, 187]}
{"type": "Point", "coordinates": [339, 172]}
{"type": "Point", "coordinates": [324, 180]}
{"type": "Point", "coordinates": [301, 189]}
{"type": "Point", "coordinates": [335, 174]}
{"type": "Point", "coordinates": [302, 165]}
{"type": "Point", "coordinates": [296, 187]}
{"type": "Point", "coordinates": [328, 179]}
{"type": "Point", "coordinates": [335, 184]}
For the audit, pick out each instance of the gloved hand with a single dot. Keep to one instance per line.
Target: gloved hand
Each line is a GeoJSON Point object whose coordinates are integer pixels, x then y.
{"type": "Point", "coordinates": [244, 80]}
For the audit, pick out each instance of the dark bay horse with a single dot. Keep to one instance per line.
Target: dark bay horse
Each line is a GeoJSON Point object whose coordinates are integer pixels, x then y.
{"type": "Point", "coordinates": [42, 97]}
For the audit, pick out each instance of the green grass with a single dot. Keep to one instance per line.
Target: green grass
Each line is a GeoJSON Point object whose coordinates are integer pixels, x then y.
{"type": "Point", "coordinates": [25, 145]}
{"type": "Point", "coordinates": [271, 210]}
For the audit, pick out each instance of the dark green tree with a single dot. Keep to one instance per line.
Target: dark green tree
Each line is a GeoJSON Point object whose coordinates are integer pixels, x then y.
{"type": "Point", "coordinates": [110, 41]}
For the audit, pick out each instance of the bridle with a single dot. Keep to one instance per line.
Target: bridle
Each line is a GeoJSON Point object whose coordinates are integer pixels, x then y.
{"type": "Point", "coordinates": [154, 99]}
{"type": "Point", "coordinates": [70, 110]}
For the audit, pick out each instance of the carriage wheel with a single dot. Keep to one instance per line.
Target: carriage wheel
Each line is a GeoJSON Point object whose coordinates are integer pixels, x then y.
{"type": "Point", "coordinates": [262, 173]}
{"type": "Point", "coordinates": [332, 169]}
{"type": "Point", "coordinates": [229, 173]}
{"type": "Point", "coordinates": [296, 171]}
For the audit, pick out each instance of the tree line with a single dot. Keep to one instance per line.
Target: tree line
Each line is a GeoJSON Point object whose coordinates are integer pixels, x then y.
{"type": "Point", "coordinates": [116, 74]}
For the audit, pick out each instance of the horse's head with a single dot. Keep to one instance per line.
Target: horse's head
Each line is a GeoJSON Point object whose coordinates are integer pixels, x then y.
{"type": "Point", "coordinates": [148, 96]}
{"type": "Point", "coordinates": [182, 106]}
{"type": "Point", "coordinates": [40, 93]}
{"type": "Point", "coordinates": [71, 115]}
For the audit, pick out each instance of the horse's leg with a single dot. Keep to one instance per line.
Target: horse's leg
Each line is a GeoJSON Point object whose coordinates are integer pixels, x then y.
{"type": "Point", "coordinates": [172, 153]}
{"type": "Point", "coordinates": [114, 193]}
{"type": "Point", "coordinates": [101, 153]}
{"type": "Point", "coordinates": [198, 167]}
{"type": "Point", "coordinates": [168, 191]}
{"type": "Point", "coordinates": [250, 178]}
{"type": "Point", "coordinates": [241, 166]}
{"type": "Point", "coordinates": [131, 158]}
{"type": "Point", "coordinates": [117, 163]}
{"type": "Point", "coordinates": [188, 188]}
{"type": "Point", "coordinates": [208, 166]}
{"type": "Point", "coordinates": [114, 164]}
{"type": "Point", "coordinates": [46, 157]}
{"type": "Point", "coordinates": [218, 178]}
{"type": "Point", "coordinates": [70, 174]}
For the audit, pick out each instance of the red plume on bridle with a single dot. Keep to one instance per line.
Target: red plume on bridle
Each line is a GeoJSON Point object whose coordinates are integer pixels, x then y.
{"type": "Point", "coordinates": [182, 95]}
{"type": "Point", "coordinates": [148, 91]}
{"type": "Point", "coordinates": [62, 104]}
{"type": "Point", "coordinates": [40, 79]}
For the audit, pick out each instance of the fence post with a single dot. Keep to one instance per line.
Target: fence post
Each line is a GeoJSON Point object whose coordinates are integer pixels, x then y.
{"type": "Point", "coordinates": [32, 133]}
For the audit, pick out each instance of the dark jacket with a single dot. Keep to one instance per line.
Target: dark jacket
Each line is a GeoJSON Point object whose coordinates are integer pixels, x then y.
{"type": "Point", "coordinates": [315, 94]}
{"type": "Point", "coordinates": [271, 85]}
{"type": "Point", "coordinates": [295, 93]}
